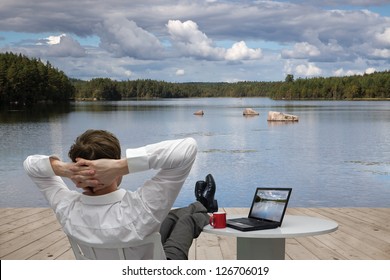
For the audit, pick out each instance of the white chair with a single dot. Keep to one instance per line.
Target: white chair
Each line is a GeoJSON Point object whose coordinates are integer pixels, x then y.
{"type": "Point", "coordinates": [150, 244]}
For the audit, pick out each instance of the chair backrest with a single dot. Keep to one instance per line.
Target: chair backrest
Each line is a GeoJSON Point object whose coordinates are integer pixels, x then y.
{"type": "Point", "coordinates": [149, 248]}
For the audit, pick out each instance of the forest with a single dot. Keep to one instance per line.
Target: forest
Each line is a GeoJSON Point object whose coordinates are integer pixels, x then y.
{"type": "Point", "coordinates": [26, 81]}
{"type": "Point", "coordinates": [367, 86]}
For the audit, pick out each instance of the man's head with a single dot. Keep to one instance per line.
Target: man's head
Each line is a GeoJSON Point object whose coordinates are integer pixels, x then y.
{"type": "Point", "coordinates": [95, 144]}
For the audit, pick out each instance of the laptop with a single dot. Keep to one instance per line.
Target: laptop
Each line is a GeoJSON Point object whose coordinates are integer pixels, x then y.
{"type": "Point", "coordinates": [267, 211]}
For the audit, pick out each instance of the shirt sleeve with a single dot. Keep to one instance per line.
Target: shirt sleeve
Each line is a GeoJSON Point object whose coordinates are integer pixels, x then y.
{"type": "Point", "coordinates": [53, 188]}
{"type": "Point", "coordinates": [174, 160]}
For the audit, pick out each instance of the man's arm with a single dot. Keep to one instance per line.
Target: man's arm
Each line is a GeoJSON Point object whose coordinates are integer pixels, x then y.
{"type": "Point", "coordinates": [172, 154]}
{"type": "Point", "coordinates": [61, 168]}
{"type": "Point", "coordinates": [43, 170]}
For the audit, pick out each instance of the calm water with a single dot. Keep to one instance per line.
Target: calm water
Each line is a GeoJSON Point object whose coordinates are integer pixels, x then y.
{"type": "Point", "coordinates": [337, 155]}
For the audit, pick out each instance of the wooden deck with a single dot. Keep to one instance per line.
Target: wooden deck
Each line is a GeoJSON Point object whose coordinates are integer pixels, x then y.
{"type": "Point", "coordinates": [363, 234]}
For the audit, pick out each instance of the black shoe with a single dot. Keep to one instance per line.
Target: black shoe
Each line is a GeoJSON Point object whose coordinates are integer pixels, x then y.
{"type": "Point", "coordinates": [199, 189]}
{"type": "Point", "coordinates": [208, 194]}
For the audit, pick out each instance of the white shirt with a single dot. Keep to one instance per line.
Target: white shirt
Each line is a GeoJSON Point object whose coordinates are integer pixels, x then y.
{"type": "Point", "coordinates": [120, 216]}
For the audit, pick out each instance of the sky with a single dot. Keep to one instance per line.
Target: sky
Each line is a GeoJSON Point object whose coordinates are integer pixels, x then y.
{"type": "Point", "coordinates": [200, 41]}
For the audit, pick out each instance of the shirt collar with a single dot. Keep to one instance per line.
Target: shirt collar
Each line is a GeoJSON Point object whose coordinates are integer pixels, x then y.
{"type": "Point", "coordinates": [109, 198]}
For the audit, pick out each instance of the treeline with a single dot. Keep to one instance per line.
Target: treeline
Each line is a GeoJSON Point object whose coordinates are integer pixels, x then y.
{"type": "Point", "coordinates": [29, 81]}
{"type": "Point", "coordinates": [367, 86]}
{"type": "Point", "coordinates": [103, 88]}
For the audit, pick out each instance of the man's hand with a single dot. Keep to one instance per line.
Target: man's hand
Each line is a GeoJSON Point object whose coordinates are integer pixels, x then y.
{"type": "Point", "coordinates": [97, 174]}
{"type": "Point", "coordinates": [64, 169]}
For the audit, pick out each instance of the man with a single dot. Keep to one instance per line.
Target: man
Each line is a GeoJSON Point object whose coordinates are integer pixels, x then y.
{"type": "Point", "coordinates": [105, 214]}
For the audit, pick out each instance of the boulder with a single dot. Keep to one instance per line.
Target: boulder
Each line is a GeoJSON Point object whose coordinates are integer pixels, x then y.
{"type": "Point", "coordinates": [250, 112]}
{"type": "Point", "coordinates": [278, 116]}
{"type": "Point", "coordinates": [199, 113]}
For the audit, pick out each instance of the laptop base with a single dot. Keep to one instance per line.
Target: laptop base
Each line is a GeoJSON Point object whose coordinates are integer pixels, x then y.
{"type": "Point", "coordinates": [237, 224]}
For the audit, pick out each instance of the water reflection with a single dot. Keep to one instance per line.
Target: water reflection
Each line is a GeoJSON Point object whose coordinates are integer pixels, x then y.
{"type": "Point", "coordinates": [34, 113]}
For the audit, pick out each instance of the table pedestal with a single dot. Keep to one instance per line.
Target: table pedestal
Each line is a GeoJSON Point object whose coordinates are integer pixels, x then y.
{"type": "Point", "coordinates": [260, 248]}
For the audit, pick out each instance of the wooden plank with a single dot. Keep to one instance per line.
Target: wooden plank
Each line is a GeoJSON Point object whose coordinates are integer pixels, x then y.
{"type": "Point", "coordinates": [192, 251]}
{"type": "Point", "coordinates": [345, 218]}
{"type": "Point", "coordinates": [67, 255]}
{"type": "Point", "coordinates": [207, 247]}
{"type": "Point", "coordinates": [228, 247]}
{"type": "Point", "coordinates": [23, 226]}
{"type": "Point", "coordinates": [24, 240]}
{"type": "Point", "coordinates": [53, 251]}
{"type": "Point", "coordinates": [36, 246]}
{"type": "Point", "coordinates": [295, 251]}
{"type": "Point", "coordinates": [20, 215]}
{"type": "Point", "coordinates": [4, 212]}
{"type": "Point", "coordinates": [362, 245]}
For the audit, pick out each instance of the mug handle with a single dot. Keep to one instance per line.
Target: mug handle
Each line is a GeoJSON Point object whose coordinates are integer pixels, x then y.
{"type": "Point", "coordinates": [211, 220]}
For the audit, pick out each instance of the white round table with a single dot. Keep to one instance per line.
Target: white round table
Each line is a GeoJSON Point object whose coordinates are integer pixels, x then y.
{"type": "Point", "coordinates": [270, 244]}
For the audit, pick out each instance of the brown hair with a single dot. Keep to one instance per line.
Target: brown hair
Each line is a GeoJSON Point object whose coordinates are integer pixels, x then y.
{"type": "Point", "coordinates": [95, 144]}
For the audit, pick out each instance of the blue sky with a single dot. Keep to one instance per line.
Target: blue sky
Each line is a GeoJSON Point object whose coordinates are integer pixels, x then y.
{"type": "Point", "coordinates": [200, 41]}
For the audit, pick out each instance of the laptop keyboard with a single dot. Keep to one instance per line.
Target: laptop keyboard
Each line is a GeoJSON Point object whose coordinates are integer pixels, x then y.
{"type": "Point", "coordinates": [248, 221]}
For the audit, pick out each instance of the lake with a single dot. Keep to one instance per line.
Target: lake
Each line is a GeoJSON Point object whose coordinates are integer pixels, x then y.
{"type": "Point", "coordinates": [337, 155]}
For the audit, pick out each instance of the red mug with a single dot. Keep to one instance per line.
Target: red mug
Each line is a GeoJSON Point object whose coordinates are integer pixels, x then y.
{"type": "Point", "coordinates": [218, 220]}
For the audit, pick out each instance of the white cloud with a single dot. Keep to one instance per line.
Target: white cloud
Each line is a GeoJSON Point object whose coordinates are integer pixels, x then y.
{"type": "Point", "coordinates": [381, 53]}
{"type": "Point", "coordinates": [190, 41]}
{"type": "Point", "coordinates": [54, 40]}
{"type": "Point", "coordinates": [341, 72]}
{"type": "Point", "coordinates": [384, 37]}
{"type": "Point", "coordinates": [180, 72]}
{"type": "Point", "coordinates": [370, 70]}
{"type": "Point", "coordinates": [307, 70]}
{"type": "Point", "coordinates": [301, 50]}
{"type": "Point", "coordinates": [240, 51]}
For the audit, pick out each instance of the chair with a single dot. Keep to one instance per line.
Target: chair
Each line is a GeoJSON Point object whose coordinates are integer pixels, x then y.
{"type": "Point", "coordinates": [150, 244]}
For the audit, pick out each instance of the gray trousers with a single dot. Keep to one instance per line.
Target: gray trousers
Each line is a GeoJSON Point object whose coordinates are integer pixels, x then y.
{"type": "Point", "coordinates": [179, 229]}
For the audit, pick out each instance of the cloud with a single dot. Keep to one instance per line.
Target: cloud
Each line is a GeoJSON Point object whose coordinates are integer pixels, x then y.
{"type": "Point", "coordinates": [341, 72]}
{"type": "Point", "coordinates": [239, 51]}
{"type": "Point", "coordinates": [50, 47]}
{"type": "Point", "coordinates": [302, 69]}
{"type": "Point", "coordinates": [124, 37]}
{"type": "Point", "coordinates": [152, 39]}
{"type": "Point", "coordinates": [383, 37]}
{"type": "Point", "coordinates": [180, 72]}
{"type": "Point", "coordinates": [307, 70]}
{"type": "Point", "coordinates": [190, 41]}
{"type": "Point", "coordinates": [381, 54]}
{"type": "Point", "coordinates": [301, 50]}
{"type": "Point", "coordinates": [54, 40]}
{"type": "Point", "coordinates": [64, 46]}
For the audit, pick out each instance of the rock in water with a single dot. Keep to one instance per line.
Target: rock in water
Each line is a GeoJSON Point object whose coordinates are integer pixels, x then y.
{"type": "Point", "coordinates": [199, 113]}
{"type": "Point", "coordinates": [250, 112]}
{"type": "Point", "coordinates": [278, 116]}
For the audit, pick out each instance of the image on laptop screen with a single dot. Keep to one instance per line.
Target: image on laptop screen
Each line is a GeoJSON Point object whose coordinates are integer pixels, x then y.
{"type": "Point", "coordinates": [269, 204]}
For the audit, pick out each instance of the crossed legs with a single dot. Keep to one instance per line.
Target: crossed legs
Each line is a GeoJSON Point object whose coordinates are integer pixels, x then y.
{"type": "Point", "coordinates": [179, 229]}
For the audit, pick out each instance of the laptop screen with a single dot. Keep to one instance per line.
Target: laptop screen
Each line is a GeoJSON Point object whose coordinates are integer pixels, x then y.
{"type": "Point", "coordinates": [270, 204]}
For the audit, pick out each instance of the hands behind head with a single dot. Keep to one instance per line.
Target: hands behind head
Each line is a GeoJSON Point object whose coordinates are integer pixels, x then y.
{"type": "Point", "coordinates": [93, 175]}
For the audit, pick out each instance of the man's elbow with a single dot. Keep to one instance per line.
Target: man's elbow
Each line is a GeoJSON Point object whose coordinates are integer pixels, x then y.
{"type": "Point", "coordinates": [192, 147]}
